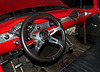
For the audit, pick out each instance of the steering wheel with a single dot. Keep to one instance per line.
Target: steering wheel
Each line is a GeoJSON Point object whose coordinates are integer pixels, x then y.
{"type": "Point", "coordinates": [37, 35]}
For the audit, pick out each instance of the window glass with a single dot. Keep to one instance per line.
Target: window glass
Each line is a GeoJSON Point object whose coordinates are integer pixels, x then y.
{"type": "Point", "coordinates": [24, 12]}
{"type": "Point", "coordinates": [79, 3]}
{"type": "Point", "coordinates": [98, 3]}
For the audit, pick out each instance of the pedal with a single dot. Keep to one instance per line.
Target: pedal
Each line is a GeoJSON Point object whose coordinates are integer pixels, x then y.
{"type": "Point", "coordinates": [18, 65]}
{"type": "Point", "coordinates": [70, 50]}
{"type": "Point", "coordinates": [4, 62]}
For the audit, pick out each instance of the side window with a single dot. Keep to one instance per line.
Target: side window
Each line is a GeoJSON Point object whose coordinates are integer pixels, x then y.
{"type": "Point", "coordinates": [87, 4]}
{"type": "Point", "coordinates": [79, 3]}
{"type": "Point", "coordinates": [73, 3]}
{"type": "Point", "coordinates": [98, 3]}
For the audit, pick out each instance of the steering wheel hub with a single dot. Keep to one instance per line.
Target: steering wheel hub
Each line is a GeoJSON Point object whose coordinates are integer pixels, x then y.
{"type": "Point", "coordinates": [44, 35]}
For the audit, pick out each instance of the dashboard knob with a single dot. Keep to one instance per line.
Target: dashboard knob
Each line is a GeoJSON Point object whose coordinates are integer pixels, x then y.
{"type": "Point", "coordinates": [38, 27]}
{"type": "Point", "coordinates": [75, 19]}
{"type": "Point", "coordinates": [17, 42]}
{"type": "Point", "coordinates": [6, 37]}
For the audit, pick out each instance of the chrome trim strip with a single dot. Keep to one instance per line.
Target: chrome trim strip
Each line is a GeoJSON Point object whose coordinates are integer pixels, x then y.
{"type": "Point", "coordinates": [83, 14]}
{"type": "Point", "coordinates": [11, 36]}
{"type": "Point", "coordinates": [65, 19]}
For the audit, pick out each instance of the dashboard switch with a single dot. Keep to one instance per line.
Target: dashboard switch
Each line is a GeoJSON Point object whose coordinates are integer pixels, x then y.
{"type": "Point", "coordinates": [17, 42]}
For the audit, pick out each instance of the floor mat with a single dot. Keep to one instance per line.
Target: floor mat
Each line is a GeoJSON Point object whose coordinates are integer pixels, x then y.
{"type": "Point", "coordinates": [89, 61]}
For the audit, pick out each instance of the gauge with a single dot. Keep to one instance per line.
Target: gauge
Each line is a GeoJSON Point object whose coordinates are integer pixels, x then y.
{"type": "Point", "coordinates": [16, 28]}
{"type": "Point", "coordinates": [74, 14]}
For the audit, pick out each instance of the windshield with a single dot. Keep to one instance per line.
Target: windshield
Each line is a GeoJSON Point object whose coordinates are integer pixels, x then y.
{"type": "Point", "coordinates": [86, 4]}
{"type": "Point", "coordinates": [24, 12]}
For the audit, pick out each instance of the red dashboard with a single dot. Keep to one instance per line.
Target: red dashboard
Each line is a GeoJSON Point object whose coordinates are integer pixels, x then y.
{"type": "Point", "coordinates": [8, 45]}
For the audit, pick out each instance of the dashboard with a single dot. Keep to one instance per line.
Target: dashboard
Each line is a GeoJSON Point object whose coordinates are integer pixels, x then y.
{"type": "Point", "coordinates": [12, 36]}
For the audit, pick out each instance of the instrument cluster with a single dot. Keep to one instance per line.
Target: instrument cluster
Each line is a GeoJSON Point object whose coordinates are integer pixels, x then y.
{"type": "Point", "coordinates": [16, 29]}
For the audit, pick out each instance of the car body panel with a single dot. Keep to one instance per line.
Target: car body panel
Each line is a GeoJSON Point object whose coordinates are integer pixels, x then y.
{"type": "Point", "coordinates": [1, 70]}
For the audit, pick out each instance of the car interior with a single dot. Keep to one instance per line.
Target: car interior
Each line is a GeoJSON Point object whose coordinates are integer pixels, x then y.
{"type": "Point", "coordinates": [50, 36]}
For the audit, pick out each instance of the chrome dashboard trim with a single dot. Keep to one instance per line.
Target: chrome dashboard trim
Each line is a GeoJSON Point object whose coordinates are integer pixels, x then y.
{"type": "Point", "coordinates": [11, 36]}
{"type": "Point", "coordinates": [83, 14]}
{"type": "Point", "coordinates": [67, 18]}
{"type": "Point", "coordinates": [42, 25]}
